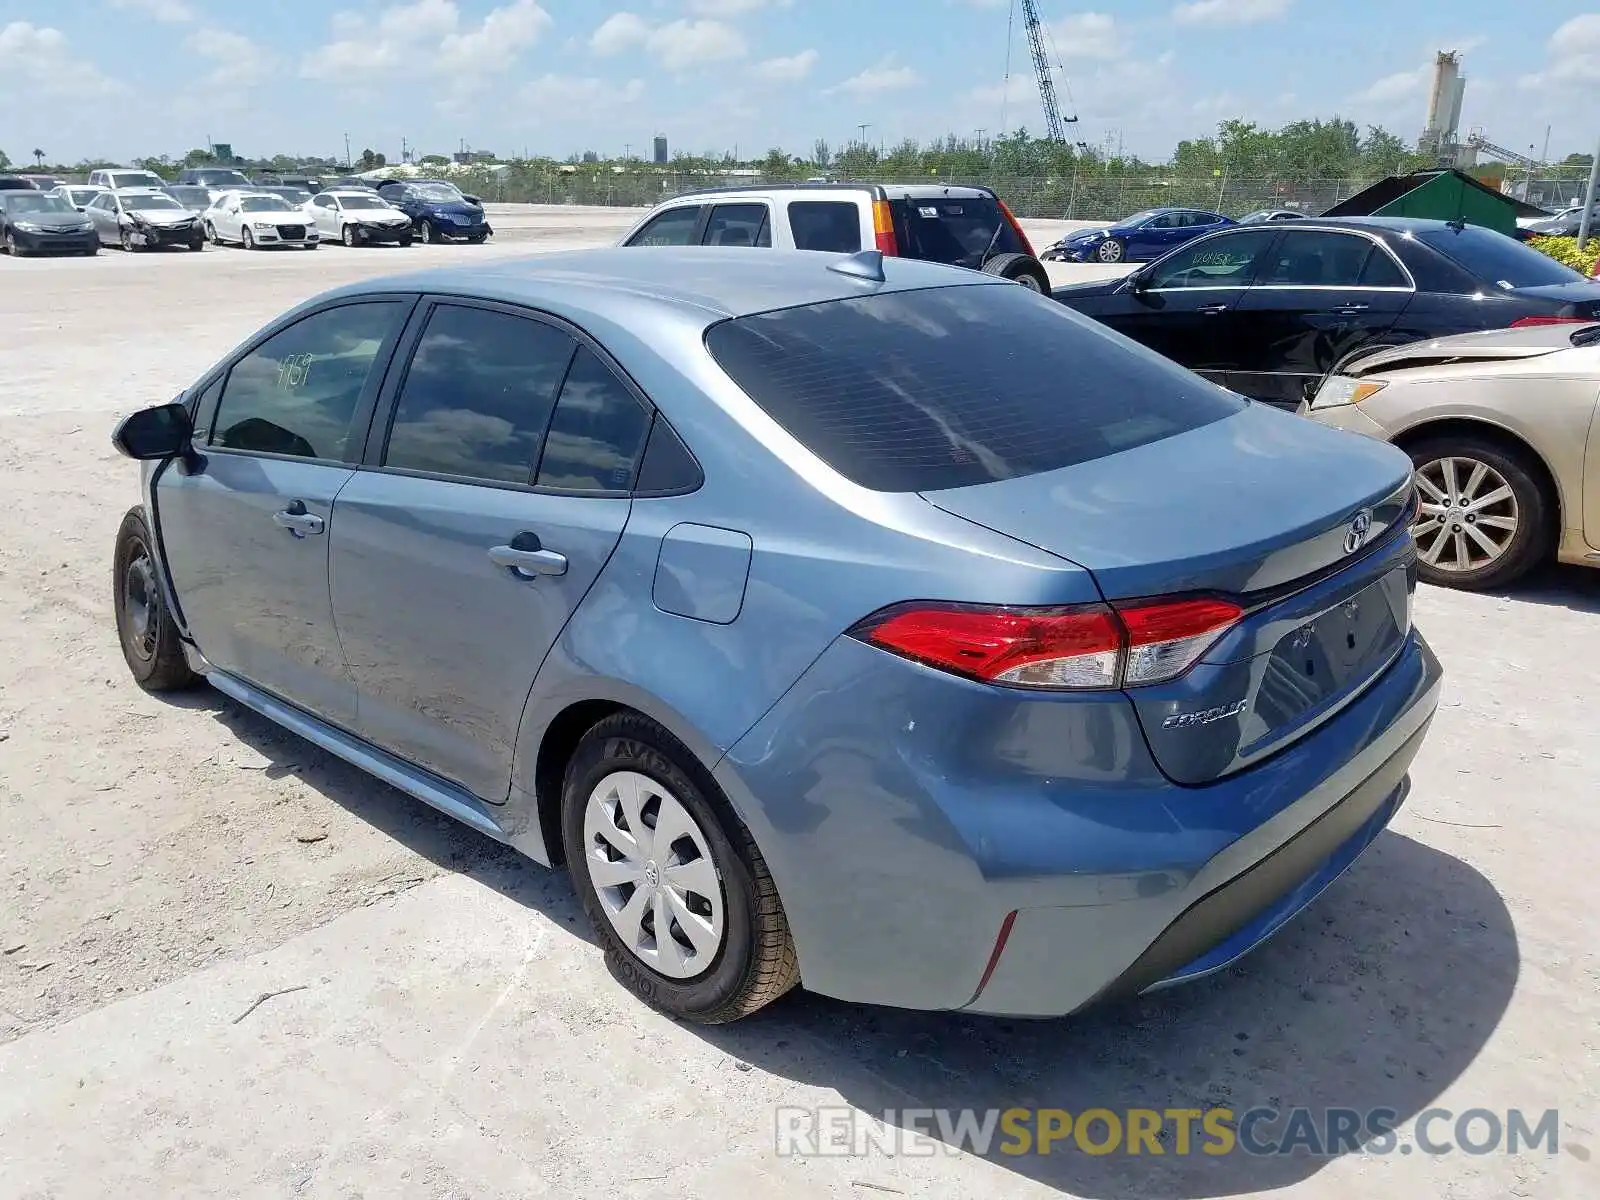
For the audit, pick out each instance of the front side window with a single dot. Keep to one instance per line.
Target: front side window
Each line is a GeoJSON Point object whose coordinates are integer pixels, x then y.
{"type": "Point", "coordinates": [298, 391]}
{"type": "Point", "coordinates": [477, 396]}
{"type": "Point", "coordinates": [675, 227]}
{"type": "Point", "coordinates": [1225, 260]}
{"type": "Point", "coordinates": [738, 225]}
{"type": "Point", "coordinates": [597, 433]}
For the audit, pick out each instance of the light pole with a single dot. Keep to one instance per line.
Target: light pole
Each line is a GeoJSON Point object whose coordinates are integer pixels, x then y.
{"type": "Point", "coordinates": [1588, 200]}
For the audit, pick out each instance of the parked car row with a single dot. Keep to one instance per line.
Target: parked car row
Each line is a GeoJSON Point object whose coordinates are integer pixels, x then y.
{"type": "Point", "coordinates": [136, 209]}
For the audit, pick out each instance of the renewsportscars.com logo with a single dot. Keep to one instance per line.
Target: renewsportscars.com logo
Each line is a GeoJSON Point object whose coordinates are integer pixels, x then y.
{"type": "Point", "coordinates": [842, 1131]}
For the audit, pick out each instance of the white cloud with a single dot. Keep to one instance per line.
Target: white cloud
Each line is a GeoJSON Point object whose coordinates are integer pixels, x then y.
{"type": "Point", "coordinates": [40, 57]}
{"type": "Point", "coordinates": [1574, 56]}
{"type": "Point", "coordinates": [885, 75]}
{"type": "Point", "coordinates": [1399, 86]}
{"type": "Point", "coordinates": [677, 45]}
{"type": "Point", "coordinates": [1229, 12]}
{"type": "Point", "coordinates": [1086, 35]}
{"type": "Point", "coordinates": [170, 12]}
{"type": "Point", "coordinates": [240, 61]}
{"type": "Point", "coordinates": [582, 94]}
{"type": "Point", "coordinates": [427, 34]}
{"type": "Point", "coordinates": [731, 8]}
{"type": "Point", "coordinates": [789, 68]}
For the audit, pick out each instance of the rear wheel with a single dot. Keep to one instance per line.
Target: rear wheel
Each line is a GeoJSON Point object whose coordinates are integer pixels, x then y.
{"type": "Point", "coordinates": [678, 893]}
{"type": "Point", "coordinates": [1111, 250]}
{"type": "Point", "coordinates": [1485, 516]}
{"type": "Point", "coordinates": [150, 643]}
{"type": "Point", "coordinates": [1019, 268]}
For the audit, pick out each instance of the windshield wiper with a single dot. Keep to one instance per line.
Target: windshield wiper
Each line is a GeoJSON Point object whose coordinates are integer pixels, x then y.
{"type": "Point", "coordinates": [1587, 336]}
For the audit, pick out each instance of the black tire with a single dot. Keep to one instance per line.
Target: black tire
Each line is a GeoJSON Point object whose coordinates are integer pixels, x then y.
{"type": "Point", "coordinates": [756, 962]}
{"type": "Point", "coordinates": [427, 233]}
{"type": "Point", "coordinates": [9, 244]}
{"type": "Point", "coordinates": [211, 234]}
{"type": "Point", "coordinates": [128, 244]}
{"type": "Point", "coordinates": [347, 235]}
{"type": "Point", "coordinates": [197, 244]}
{"type": "Point", "coordinates": [405, 238]}
{"type": "Point", "coordinates": [1112, 250]}
{"type": "Point", "coordinates": [247, 240]}
{"type": "Point", "coordinates": [1020, 268]}
{"type": "Point", "coordinates": [1533, 539]}
{"type": "Point", "coordinates": [150, 643]}
{"type": "Point", "coordinates": [92, 250]}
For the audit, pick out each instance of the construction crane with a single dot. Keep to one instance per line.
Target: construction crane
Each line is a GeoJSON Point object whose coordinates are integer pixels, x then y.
{"type": "Point", "coordinates": [1055, 126]}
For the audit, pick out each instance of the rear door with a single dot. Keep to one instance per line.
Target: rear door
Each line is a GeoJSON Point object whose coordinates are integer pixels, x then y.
{"type": "Point", "coordinates": [1187, 306]}
{"type": "Point", "coordinates": [245, 528]}
{"type": "Point", "coordinates": [835, 226]}
{"type": "Point", "coordinates": [1321, 295]}
{"type": "Point", "coordinates": [497, 488]}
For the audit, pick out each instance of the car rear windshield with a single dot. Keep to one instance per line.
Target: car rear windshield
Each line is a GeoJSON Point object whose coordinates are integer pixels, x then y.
{"type": "Point", "coordinates": [961, 232]}
{"type": "Point", "coordinates": [1496, 258]}
{"type": "Point", "coordinates": [945, 387]}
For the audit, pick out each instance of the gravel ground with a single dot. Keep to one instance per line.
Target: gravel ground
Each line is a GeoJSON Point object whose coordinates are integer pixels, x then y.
{"type": "Point", "coordinates": [157, 857]}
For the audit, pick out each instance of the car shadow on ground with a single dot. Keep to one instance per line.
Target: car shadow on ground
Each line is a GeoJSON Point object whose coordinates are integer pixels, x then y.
{"type": "Point", "coordinates": [1378, 997]}
{"type": "Point", "coordinates": [1560, 585]}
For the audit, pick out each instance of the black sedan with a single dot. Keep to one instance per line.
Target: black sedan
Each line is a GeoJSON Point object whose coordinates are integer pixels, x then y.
{"type": "Point", "coordinates": [34, 223]}
{"type": "Point", "coordinates": [1267, 310]}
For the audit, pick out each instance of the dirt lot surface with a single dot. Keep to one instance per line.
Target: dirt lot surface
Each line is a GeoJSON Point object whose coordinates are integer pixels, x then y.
{"type": "Point", "coordinates": [452, 1031]}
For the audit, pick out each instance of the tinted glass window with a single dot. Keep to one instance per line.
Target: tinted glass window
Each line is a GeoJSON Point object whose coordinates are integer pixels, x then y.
{"type": "Point", "coordinates": [297, 392]}
{"type": "Point", "coordinates": [598, 431]}
{"type": "Point", "coordinates": [738, 225]}
{"type": "Point", "coordinates": [668, 466]}
{"type": "Point", "coordinates": [1307, 258]}
{"type": "Point", "coordinates": [1164, 221]}
{"type": "Point", "coordinates": [909, 391]}
{"type": "Point", "coordinates": [477, 395]}
{"type": "Point", "coordinates": [833, 225]}
{"type": "Point", "coordinates": [1382, 271]}
{"type": "Point", "coordinates": [675, 227]}
{"type": "Point", "coordinates": [960, 232]}
{"type": "Point", "coordinates": [1497, 259]}
{"type": "Point", "coordinates": [1226, 260]}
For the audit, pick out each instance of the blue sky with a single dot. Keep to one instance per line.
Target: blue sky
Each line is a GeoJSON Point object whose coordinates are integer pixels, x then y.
{"type": "Point", "coordinates": [116, 78]}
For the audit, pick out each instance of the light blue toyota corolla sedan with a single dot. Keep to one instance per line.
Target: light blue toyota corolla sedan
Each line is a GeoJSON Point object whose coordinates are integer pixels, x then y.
{"type": "Point", "coordinates": [864, 624]}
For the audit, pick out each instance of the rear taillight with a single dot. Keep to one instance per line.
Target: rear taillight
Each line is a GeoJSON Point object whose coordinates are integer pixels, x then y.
{"type": "Point", "coordinates": [1085, 646]}
{"type": "Point", "coordinates": [1016, 228]}
{"type": "Point", "coordinates": [1525, 322]}
{"type": "Point", "coordinates": [883, 229]}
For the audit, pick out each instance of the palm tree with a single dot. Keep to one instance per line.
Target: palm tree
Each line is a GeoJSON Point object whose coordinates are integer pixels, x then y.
{"type": "Point", "coordinates": [38, 157]}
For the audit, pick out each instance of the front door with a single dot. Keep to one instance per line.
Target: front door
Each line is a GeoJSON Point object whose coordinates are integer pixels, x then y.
{"type": "Point", "coordinates": [1321, 295]}
{"type": "Point", "coordinates": [1187, 306]}
{"type": "Point", "coordinates": [245, 529]}
{"type": "Point", "coordinates": [482, 523]}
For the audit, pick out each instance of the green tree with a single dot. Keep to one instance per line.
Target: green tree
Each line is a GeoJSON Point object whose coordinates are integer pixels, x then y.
{"type": "Point", "coordinates": [38, 157]}
{"type": "Point", "coordinates": [777, 165]}
{"type": "Point", "coordinates": [5, 160]}
{"type": "Point", "coordinates": [199, 158]}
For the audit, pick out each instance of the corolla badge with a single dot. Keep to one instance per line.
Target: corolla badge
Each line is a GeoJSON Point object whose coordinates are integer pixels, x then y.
{"type": "Point", "coordinates": [1205, 716]}
{"type": "Point", "coordinates": [1359, 530]}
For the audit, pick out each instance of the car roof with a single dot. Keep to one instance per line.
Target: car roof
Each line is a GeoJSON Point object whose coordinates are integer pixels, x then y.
{"type": "Point", "coordinates": [614, 282]}
{"type": "Point", "coordinates": [139, 191]}
{"type": "Point", "coordinates": [364, 193]}
{"type": "Point", "coordinates": [892, 191]}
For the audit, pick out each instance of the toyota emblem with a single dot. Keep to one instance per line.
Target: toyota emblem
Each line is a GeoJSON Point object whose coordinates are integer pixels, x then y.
{"type": "Point", "coordinates": [1355, 536]}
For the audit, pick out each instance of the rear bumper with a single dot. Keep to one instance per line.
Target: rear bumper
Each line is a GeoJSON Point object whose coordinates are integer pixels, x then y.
{"type": "Point", "coordinates": [906, 818]}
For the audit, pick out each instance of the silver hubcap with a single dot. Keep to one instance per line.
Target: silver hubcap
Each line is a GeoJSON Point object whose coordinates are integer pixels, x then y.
{"type": "Point", "coordinates": [1468, 515]}
{"type": "Point", "coordinates": [427, 232]}
{"type": "Point", "coordinates": [1029, 282]}
{"type": "Point", "coordinates": [651, 867]}
{"type": "Point", "coordinates": [1110, 251]}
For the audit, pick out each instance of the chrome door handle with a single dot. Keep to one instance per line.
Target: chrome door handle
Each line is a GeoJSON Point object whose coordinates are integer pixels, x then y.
{"type": "Point", "coordinates": [529, 559]}
{"type": "Point", "coordinates": [1352, 308]}
{"type": "Point", "coordinates": [298, 521]}
{"type": "Point", "coordinates": [1212, 310]}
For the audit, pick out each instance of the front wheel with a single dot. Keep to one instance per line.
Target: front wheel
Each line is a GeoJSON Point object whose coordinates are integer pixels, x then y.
{"type": "Point", "coordinates": [405, 239]}
{"type": "Point", "coordinates": [1484, 518]}
{"type": "Point", "coordinates": [427, 233]}
{"type": "Point", "coordinates": [150, 643]}
{"type": "Point", "coordinates": [679, 895]}
{"type": "Point", "coordinates": [247, 239]}
{"type": "Point", "coordinates": [1112, 250]}
{"type": "Point", "coordinates": [211, 234]}
{"type": "Point", "coordinates": [348, 235]}
{"type": "Point", "coordinates": [128, 243]}
{"type": "Point", "coordinates": [198, 243]}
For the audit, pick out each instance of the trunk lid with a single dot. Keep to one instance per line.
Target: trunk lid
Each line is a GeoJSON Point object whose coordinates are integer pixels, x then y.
{"type": "Point", "coordinates": [1303, 526]}
{"type": "Point", "coordinates": [1577, 299]}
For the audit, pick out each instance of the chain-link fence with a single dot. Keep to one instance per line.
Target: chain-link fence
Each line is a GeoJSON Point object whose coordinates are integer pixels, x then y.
{"type": "Point", "coordinates": [1090, 193]}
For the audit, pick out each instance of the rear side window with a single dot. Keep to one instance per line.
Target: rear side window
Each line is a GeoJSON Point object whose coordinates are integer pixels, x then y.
{"type": "Point", "coordinates": [597, 433]}
{"type": "Point", "coordinates": [738, 225]}
{"type": "Point", "coordinates": [831, 225]}
{"type": "Point", "coordinates": [477, 395]}
{"type": "Point", "coordinates": [1497, 259]}
{"type": "Point", "coordinates": [941, 388]}
{"type": "Point", "coordinates": [1382, 271]}
{"type": "Point", "coordinates": [959, 232]}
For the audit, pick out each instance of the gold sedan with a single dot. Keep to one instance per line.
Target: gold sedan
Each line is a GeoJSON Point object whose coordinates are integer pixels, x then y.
{"type": "Point", "coordinates": [1504, 429]}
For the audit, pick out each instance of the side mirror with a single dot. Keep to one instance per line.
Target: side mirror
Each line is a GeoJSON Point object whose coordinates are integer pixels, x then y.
{"type": "Point", "coordinates": [472, 199]}
{"type": "Point", "coordinates": [152, 433]}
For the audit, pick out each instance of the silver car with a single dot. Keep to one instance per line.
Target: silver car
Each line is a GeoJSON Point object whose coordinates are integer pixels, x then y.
{"type": "Point", "coordinates": [144, 219]}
